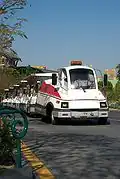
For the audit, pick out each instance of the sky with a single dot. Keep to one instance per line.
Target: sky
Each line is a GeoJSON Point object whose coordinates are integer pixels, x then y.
{"type": "Point", "coordinates": [63, 30]}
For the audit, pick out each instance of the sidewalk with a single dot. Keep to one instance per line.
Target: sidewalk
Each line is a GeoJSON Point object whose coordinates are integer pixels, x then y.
{"type": "Point", "coordinates": [23, 173]}
{"type": "Point", "coordinates": [32, 167]}
{"type": "Point", "coordinates": [26, 172]}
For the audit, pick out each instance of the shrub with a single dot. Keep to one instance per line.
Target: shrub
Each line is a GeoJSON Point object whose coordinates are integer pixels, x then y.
{"type": "Point", "coordinates": [7, 145]}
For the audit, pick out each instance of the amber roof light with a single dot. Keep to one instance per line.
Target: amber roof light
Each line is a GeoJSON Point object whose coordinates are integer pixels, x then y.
{"type": "Point", "coordinates": [76, 62]}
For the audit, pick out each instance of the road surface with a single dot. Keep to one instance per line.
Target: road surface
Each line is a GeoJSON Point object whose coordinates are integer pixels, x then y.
{"type": "Point", "coordinates": [78, 152]}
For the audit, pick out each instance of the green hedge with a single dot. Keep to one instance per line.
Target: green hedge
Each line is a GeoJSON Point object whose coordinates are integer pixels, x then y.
{"type": "Point", "coordinates": [115, 106]}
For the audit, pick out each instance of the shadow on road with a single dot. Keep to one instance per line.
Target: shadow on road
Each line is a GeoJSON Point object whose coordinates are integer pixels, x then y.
{"type": "Point", "coordinates": [43, 121]}
{"type": "Point", "coordinates": [81, 123]}
{"type": "Point", "coordinates": [72, 156]}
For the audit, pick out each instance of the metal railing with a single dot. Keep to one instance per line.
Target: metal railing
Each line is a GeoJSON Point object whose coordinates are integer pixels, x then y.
{"type": "Point", "coordinates": [15, 118]}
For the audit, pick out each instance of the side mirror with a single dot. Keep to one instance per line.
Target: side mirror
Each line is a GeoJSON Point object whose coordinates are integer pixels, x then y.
{"type": "Point", "coordinates": [105, 79]}
{"type": "Point", "coordinates": [54, 79]}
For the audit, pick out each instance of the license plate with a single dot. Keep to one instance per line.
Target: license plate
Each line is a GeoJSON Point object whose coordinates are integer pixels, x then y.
{"type": "Point", "coordinates": [80, 115]}
{"type": "Point", "coordinates": [86, 115]}
{"type": "Point", "coordinates": [83, 114]}
{"type": "Point", "coordinates": [83, 117]}
{"type": "Point", "coordinates": [93, 114]}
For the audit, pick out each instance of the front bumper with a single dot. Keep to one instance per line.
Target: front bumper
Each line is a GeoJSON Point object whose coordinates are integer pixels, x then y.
{"type": "Point", "coordinates": [83, 114]}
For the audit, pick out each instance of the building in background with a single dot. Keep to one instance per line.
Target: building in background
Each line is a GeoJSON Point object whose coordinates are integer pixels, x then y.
{"type": "Point", "coordinates": [111, 74]}
{"type": "Point", "coordinates": [9, 58]}
{"type": "Point", "coordinates": [40, 67]}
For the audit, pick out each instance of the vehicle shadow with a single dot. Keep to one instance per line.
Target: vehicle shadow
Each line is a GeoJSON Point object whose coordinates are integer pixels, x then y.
{"type": "Point", "coordinates": [81, 123]}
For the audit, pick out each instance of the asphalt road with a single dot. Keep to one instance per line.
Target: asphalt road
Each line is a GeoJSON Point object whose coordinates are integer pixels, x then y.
{"type": "Point", "coordinates": [78, 152]}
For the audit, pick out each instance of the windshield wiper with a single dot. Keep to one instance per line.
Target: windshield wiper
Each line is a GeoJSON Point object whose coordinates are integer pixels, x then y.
{"type": "Point", "coordinates": [83, 89]}
{"type": "Point", "coordinates": [80, 86]}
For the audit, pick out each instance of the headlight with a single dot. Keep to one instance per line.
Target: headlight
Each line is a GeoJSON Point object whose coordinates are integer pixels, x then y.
{"type": "Point", "coordinates": [103, 105]}
{"type": "Point", "coordinates": [64, 105]}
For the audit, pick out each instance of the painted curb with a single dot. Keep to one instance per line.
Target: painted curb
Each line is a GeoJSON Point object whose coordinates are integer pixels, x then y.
{"type": "Point", "coordinates": [38, 166]}
{"type": "Point", "coordinates": [114, 110]}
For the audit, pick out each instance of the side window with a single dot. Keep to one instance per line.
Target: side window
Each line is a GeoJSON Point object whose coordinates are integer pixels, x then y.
{"type": "Point", "coordinates": [65, 79]}
{"type": "Point", "coordinates": [99, 74]}
{"type": "Point", "coordinates": [43, 78]}
{"type": "Point", "coordinates": [60, 75]}
{"type": "Point", "coordinates": [65, 75]}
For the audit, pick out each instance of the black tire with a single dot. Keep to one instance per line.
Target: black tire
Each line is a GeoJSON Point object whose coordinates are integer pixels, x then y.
{"type": "Point", "coordinates": [49, 109]}
{"type": "Point", "coordinates": [49, 115]}
{"type": "Point", "coordinates": [102, 121]}
{"type": "Point", "coordinates": [44, 119]}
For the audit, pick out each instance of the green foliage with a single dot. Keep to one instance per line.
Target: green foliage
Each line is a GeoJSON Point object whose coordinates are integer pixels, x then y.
{"type": "Point", "coordinates": [8, 32]}
{"type": "Point", "coordinates": [109, 90]}
{"type": "Point", "coordinates": [26, 71]}
{"type": "Point", "coordinates": [10, 27]}
{"type": "Point", "coordinates": [117, 91]}
{"type": "Point", "coordinates": [100, 85]}
{"type": "Point", "coordinates": [118, 71]}
{"type": "Point", "coordinates": [8, 76]}
{"type": "Point", "coordinates": [11, 72]}
{"type": "Point", "coordinates": [109, 86]}
{"type": "Point", "coordinates": [10, 6]}
{"type": "Point", "coordinates": [7, 145]}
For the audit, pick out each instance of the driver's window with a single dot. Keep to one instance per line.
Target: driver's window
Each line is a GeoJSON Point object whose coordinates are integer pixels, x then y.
{"type": "Point", "coordinates": [64, 75]}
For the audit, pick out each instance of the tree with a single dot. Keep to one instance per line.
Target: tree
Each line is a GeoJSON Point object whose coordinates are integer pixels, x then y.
{"type": "Point", "coordinates": [109, 90]}
{"type": "Point", "coordinates": [8, 77]}
{"type": "Point", "coordinates": [10, 27]}
{"type": "Point", "coordinates": [118, 71]}
{"type": "Point", "coordinates": [9, 6]}
{"type": "Point", "coordinates": [8, 32]}
{"type": "Point", "coordinates": [117, 91]}
{"type": "Point", "coordinates": [100, 85]}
